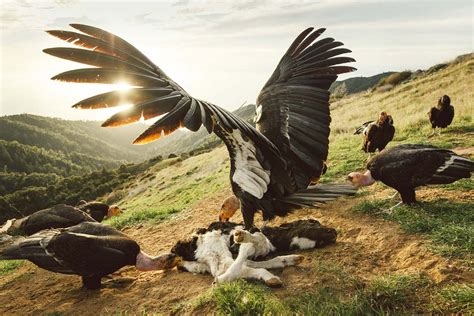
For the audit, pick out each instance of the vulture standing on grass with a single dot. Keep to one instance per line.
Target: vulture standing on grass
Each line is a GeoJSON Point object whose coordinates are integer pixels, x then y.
{"type": "Point", "coordinates": [377, 134]}
{"type": "Point", "coordinates": [273, 165]}
{"type": "Point", "coordinates": [58, 216]}
{"type": "Point", "coordinates": [363, 128]}
{"type": "Point", "coordinates": [406, 167]}
{"type": "Point", "coordinates": [442, 115]}
{"type": "Point", "coordinates": [90, 250]}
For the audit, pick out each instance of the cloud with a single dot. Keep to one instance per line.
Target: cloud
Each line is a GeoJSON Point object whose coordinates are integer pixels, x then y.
{"type": "Point", "coordinates": [145, 18]}
{"type": "Point", "coordinates": [62, 22]}
{"type": "Point", "coordinates": [65, 2]}
{"type": "Point", "coordinates": [248, 4]}
{"type": "Point", "coordinates": [9, 18]}
{"type": "Point", "coordinates": [181, 3]}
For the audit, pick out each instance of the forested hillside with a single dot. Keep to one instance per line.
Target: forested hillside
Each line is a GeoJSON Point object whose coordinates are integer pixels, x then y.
{"type": "Point", "coordinates": [46, 161]}
{"type": "Point", "coordinates": [84, 137]}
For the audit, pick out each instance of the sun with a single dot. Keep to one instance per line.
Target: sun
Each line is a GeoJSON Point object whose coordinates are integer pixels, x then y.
{"type": "Point", "coordinates": [122, 85]}
{"type": "Point", "coordinates": [88, 90]}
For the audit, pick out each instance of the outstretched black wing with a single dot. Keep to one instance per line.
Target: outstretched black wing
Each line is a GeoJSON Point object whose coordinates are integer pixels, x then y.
{"type": "Point", "coordinates": [293, 106]}
{"type": "Point", "coordinates": [256, 163]}
{"type": "Point", "coordinates": [283, 156]}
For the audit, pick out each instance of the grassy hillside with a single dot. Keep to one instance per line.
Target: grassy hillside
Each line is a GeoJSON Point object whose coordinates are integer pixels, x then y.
{"type": "Point", "coordinates": [408, 104]}
{"type": "Point", "coordinates": [171, 186]}
{"type": "Point", "coordinates": [445, 217]}
{"type": "Point", "coordinates": [442, 223]}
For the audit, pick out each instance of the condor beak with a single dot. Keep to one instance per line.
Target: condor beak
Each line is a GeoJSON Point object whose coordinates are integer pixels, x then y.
{"type": "Point", "coordinates": [349, 178]}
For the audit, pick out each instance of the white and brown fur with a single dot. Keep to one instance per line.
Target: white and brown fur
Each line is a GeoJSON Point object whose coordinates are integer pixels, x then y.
{"type": "Point", "coordinates": [210, 250]}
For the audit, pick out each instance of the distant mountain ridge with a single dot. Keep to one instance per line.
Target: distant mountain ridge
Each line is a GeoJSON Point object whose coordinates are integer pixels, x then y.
{"type": "Point", "coordinates": [356, 84]}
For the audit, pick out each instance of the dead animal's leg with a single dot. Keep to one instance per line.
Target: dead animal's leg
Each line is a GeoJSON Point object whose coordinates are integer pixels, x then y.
{"type": "Point", "coordinates": [277, 262]}
{"type": "Point", "coordinates": [195, 267]}
{"type": "Point", "coordinates": [261, 274]}
{"type": "Point", "coordinates": [234, 271]}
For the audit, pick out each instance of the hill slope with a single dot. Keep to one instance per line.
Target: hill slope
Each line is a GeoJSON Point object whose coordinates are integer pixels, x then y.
{"type": "Point", "coordinates": [418, 260]}
{"type": "Point", "coordinates": [356, 84]}
{"type": "Point", "coordinates": [85, 137]}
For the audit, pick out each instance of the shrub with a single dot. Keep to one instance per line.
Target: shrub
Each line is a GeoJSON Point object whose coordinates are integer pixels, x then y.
{"type": "Point", "coordinates": [395, 78]}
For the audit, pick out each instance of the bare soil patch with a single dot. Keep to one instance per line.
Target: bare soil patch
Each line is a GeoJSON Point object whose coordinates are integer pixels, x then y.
{"type": "Point", "coordinates": [367, 247]}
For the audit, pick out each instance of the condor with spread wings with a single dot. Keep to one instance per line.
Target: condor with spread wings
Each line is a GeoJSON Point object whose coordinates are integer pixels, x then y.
{"type": "Point", "coordinates": [272, 165]}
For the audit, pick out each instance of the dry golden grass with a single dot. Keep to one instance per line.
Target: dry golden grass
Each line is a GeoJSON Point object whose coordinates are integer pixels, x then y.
{"type": "Point", "coordinates": [409, 102]}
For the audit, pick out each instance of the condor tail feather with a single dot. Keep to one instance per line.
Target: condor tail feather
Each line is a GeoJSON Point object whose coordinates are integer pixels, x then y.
{"type": "Point", "coordinates": [315, 195]}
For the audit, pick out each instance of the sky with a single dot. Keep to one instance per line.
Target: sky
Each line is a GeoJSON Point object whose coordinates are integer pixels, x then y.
{"type": "Point", "coordinates": [219, 51]}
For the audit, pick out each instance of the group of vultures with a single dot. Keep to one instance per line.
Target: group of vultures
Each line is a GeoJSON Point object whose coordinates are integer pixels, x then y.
{"type": "Point", "coordinates": [275, 166]}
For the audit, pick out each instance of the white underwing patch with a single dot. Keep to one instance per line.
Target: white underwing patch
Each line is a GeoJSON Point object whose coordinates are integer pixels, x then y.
{"type": "Point", "coordinates": [258, 113]}
{"type": "Point", "coordinates": [6, 227]}
{"type": "Point", "coordinates": [446, 164]}
{"type": "Point", "coordinates": [366, 129]}
{"type": "Point", "coordinates": [249, 173]}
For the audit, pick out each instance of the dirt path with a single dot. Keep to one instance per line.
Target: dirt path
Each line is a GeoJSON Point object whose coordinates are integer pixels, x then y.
{"type": "Point", "coordinates": [366, 246]}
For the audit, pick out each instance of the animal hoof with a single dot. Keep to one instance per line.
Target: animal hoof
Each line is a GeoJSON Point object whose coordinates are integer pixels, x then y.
{"type": "Point", "coordinates": [238, 236]}
{"type": "Point", "coordinates": [274, 282]}
{"type": "Point", "coordinates": [298, 259]}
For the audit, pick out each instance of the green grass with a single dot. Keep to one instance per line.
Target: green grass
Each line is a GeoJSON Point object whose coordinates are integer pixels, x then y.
{"type": "Point", "coordinates": [242, 298]}
{"type": "Point", "coordinates": [174, 188]}
{"type": "Point", "coordinates": [333, 296]}
{"type": "Point", "coordinates": [461, 185]}
{"type": "Point", "coordinates": [134, 218]}
{"type": "Point", "coordinates": [327, 301]}
{"type": "Point", "coordinates": [408, 104]}
{"type": "Point", "coordinates": [7, 266]}
{"type": "Point", "coordinates": [450, 225]}
{"type": "Point", "coordinates": [395, 292]}
{"type": "Point", "coordinates": [161, 205]}
{"type": "Point", "coordinates": [457, 298]}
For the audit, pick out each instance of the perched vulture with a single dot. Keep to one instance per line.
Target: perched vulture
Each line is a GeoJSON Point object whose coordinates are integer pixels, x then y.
{"type": "Point", "coordinates": [90, 250]}
{"type": "Point", "coordinates": [58, 216]}
{"type": "Point", "coordinates": [362, 129]}
{"type": "Point", "coordinates": [99, 211]}
{"type": "Point", "coordinates": [442, 115]}
{"type": "Point", "coordinates": [273, 164]}
{"type": "Point", "coordinates": [377, 134]}
{"type": "Point", "coordinates": [406, 167]}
